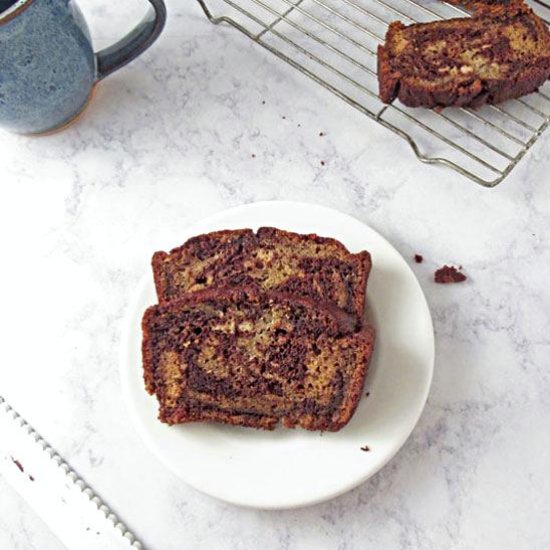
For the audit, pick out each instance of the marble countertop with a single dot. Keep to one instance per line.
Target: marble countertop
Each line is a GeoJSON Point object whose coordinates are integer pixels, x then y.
{"type": "Point", "coordinates": [183, 133]}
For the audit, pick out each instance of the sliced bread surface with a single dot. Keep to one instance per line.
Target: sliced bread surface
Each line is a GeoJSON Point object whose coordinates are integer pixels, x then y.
{"type": "Point", "coordinates": [271, 260]}
{"type": "Point", "coordinates": [499, 54]}
{"type": "Point", "coordinates": [252, 358]}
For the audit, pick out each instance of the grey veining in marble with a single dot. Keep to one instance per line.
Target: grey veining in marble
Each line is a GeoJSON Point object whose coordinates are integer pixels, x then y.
{"type": "Point", "coordinates": [183, 133]}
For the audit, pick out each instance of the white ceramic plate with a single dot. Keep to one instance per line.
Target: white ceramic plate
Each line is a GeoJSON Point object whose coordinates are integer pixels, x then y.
{"type": "Point", "coordinates": [291, 468]}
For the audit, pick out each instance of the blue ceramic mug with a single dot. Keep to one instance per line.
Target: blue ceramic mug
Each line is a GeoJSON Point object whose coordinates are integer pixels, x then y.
{"type": "Point", "coordinates": [47, 64]}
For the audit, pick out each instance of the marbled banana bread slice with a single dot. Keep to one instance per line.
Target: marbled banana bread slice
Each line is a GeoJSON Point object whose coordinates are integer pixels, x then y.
{"type": "Point", "coordinates": [254, 358]}
{"type": "Point", "coordinates": [272, 260]}
{"type": "Point", "coordinates": [499, 54]}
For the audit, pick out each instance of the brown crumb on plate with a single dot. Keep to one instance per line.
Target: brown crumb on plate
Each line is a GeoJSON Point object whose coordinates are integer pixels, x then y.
{"type": "Point", "coordinates": [418, 258]}
{"type": "Point", "coordinates": [449, 274]}
{"type": "Point", "coordinates": [366, 448]}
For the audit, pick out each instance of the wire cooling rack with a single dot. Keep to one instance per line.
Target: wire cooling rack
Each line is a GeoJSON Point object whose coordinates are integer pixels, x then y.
{"type": "Point", "coordinates": [334, 42]}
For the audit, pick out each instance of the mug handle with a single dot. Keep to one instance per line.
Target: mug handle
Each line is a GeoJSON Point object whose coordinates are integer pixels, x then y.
{"type": "Point", "coordinates": [134, 43]}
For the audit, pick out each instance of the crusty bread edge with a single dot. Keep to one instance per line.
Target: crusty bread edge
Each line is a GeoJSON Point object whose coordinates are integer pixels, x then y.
{"type": "Point", "coordinates": [364, 269]}
{"type": "Point", "coordinates": [159, 274]}
{"type": "Point", "coordinates": [354, 391]}
{"type": "Point", "coordinates": [147, 352]}
{"type": "Point", "coordinates": [388, 79]}
{"type": "Point", "coordinates": [219, 233]}
{"type": "Point", "coordinates": [259, 422]}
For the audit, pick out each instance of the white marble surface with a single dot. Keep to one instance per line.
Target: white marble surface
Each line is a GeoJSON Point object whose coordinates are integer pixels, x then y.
{"type": "Point", "coordinates": [170, 140]}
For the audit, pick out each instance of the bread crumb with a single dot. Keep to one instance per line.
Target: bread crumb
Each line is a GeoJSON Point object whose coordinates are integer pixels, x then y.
{"type": "Point", "coordinates": [18, 464]}
{"type": "Point", "coordinates": [449, 274]}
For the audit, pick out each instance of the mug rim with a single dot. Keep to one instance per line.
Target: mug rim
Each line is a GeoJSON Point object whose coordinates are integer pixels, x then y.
{"type": "Point", "coordinates": [14, 11]}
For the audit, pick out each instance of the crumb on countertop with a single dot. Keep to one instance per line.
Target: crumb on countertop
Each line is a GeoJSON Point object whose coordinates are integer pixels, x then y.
{"type": "Point", "coordinates": [18, 464]}
{"type": "Point", "coordinates": [449, 274]}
